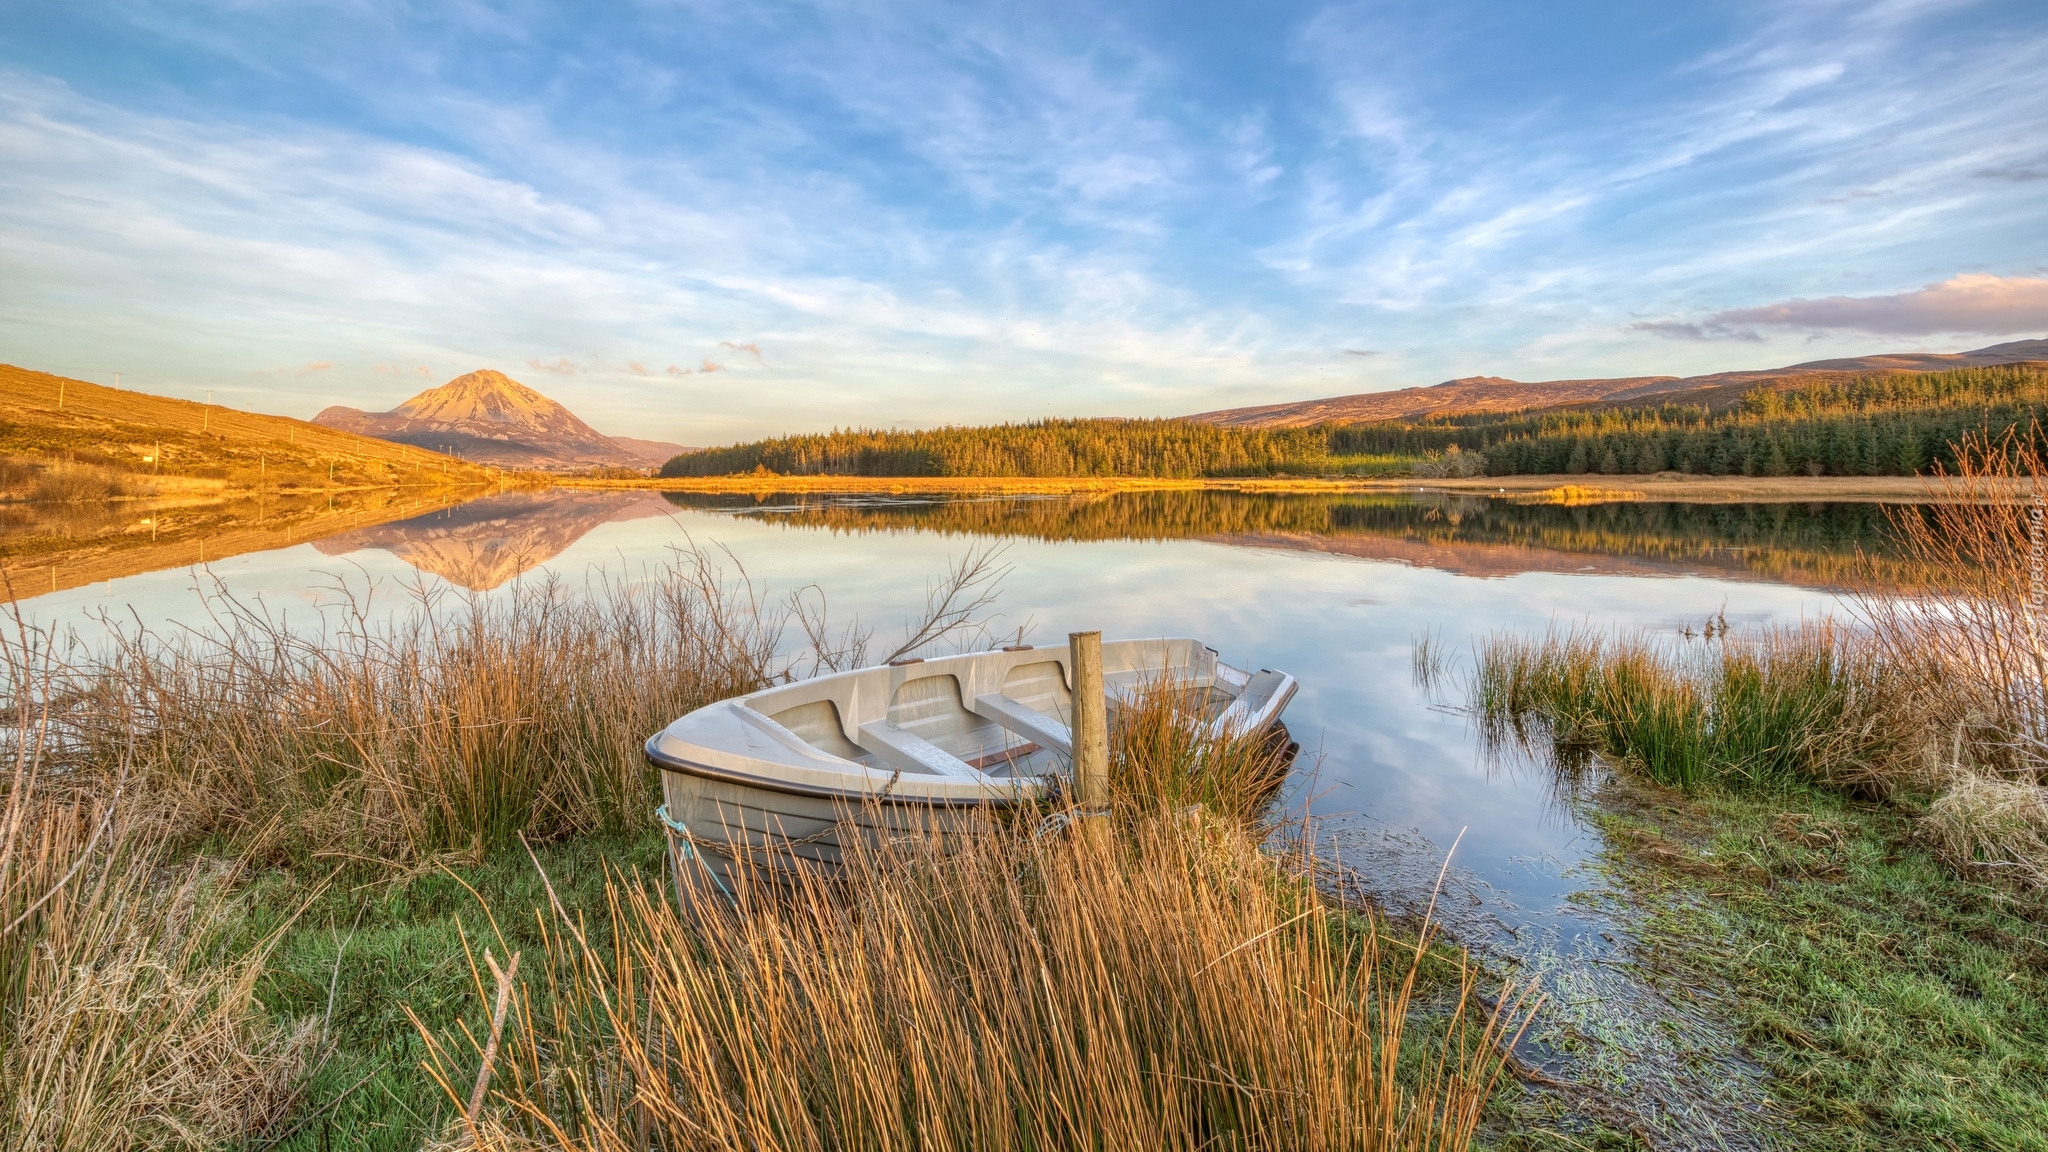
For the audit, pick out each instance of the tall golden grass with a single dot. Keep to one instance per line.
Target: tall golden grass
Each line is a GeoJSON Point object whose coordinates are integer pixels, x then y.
{"type": "Point", "coordinates": [1164, 757]}
{"type": "Point", "coordinates": [465, 723]}
{"type": "Point", "coordinates": [1153, 978]}
{"type": "Point", "coordinates": [122, 1022]}
{"type": "Point", "coordinates": [1159, 984]}
{"type": "Point", "coordinates": [1970, 661]}
{"type": "Point", "coordinates": [1975, 643]}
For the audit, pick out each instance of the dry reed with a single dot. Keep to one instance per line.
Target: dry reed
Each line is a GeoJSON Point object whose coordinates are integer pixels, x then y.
{"type": "Point", "coordinates": [1973, 648]}
{"type": "Point", "coordinates": [463, 724]}
{"type": "Point", "coordinates": [122, 1023]}
{"type": "Point", "coordinates": [1164, 756]}
{"type": "Point", "coordinates": [1164, 986]}
{"type": "Point", "coordinates": [1970, 662]}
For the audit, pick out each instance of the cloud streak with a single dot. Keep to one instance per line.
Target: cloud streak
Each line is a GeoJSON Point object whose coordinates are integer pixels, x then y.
{"type": "Point", "coordinates": [1973, 303]}
{"type": "Point", "coordinates": [986, 215]}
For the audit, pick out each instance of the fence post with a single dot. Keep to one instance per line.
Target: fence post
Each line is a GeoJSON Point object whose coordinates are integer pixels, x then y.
{"type": "Point", "coordinates": [1091, 721]}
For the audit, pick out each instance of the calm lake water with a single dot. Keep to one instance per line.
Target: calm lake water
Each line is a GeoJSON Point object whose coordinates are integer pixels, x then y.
{"type": "Point", "coordinates": [1335, 590]}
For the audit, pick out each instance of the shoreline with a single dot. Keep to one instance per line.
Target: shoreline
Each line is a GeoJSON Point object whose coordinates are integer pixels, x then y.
{"type": "Point", "coordinates": [1662, 487]}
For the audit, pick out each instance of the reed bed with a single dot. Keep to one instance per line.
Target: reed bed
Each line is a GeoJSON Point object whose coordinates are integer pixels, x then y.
{"type": "Point", "coordinates": [452, 731]}
{"type": "Point", "coordinates": [123, 1020]}
{"type": "Point", "coordinates": [1153, 983]}
{"type": "Point", "coordinates": [1163, 755]}
{"type": "Point", "coordinates": [1774, 707]}
{"type": "Point", "coordinates": [1974, 648]}
{"type": "Point", "coordinates": [1155, 978]}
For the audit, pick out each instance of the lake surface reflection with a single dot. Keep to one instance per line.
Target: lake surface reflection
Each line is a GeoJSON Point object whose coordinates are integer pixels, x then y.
{"type": "Point", "coordinates": [1334, 589]}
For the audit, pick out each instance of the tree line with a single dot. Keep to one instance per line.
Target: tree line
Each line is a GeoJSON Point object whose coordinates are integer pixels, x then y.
{"type": "Point", "coordinates": [1893, 425]}
{"type": "Point", "coordinates": [1162, 449]}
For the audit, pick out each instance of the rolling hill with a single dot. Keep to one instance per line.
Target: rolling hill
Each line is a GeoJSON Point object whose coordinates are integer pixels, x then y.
{"type": "Point", "coordinates": [1473, 394]}
{"type": "Point", "coordinates": [98, 483]}
{"type": "Point", "coordinates": [114, 441]}
{"type": "Point", "coordinates": [488, 417]}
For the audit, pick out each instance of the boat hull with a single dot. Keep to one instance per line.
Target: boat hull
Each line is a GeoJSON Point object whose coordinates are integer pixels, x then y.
{"type": "Point", "coordinates": [774, 786]}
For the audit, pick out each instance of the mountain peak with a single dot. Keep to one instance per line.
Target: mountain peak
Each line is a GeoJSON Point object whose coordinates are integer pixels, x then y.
{"type": "Point", "coordinates": [493, 398]}
{"type": "Point", "coordinates": [488, 417]}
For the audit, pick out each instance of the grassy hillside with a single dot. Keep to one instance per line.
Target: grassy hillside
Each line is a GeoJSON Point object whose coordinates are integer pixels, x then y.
{"type": "Point", "coordinates": [98, 483]}
{"type": "Point", "coordinates": [64, 440]}
{"type": "Point", "coordinates": [1874, 425]}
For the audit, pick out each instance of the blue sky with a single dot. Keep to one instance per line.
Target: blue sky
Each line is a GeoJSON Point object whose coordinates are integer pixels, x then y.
{"type": "Point", "coordinates": [702, 222]}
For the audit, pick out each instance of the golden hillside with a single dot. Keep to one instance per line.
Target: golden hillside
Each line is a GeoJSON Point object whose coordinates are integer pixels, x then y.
{"type": "Point", "coordinates": [58, 434]}
{"type": "Point", "coordinates": [97, 482]}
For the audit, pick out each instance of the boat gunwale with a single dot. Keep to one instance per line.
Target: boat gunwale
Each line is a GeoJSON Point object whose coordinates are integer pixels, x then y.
{"type": "Point", "coordinates": [668, 763]}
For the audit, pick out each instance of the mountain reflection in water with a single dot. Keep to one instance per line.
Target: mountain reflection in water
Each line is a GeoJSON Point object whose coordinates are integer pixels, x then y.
{"type": "Point", "coordinates": [1815, 545]}
{"type": "Point", "coordinates": [484, 543]}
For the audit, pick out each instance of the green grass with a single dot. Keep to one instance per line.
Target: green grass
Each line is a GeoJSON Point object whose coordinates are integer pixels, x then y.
{"type": "Point", "coordinates": [1894, 1005]}
{"type": "Point", "coordinates": [1758, 710]}
{"type": "Point", "coordinates": [401, 944]}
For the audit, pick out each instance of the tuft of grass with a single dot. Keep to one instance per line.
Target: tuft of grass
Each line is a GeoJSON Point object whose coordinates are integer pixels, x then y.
{"type": "Point", "coordinates": [1163, 755]}
{"type": "Point", "coordinates": [1765, 709]}
{"type": "Point", "coordinates": [1992, 826]}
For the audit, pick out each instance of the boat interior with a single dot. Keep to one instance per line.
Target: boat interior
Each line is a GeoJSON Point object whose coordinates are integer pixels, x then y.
{"type": "Point", "coordinates": [996, 719]}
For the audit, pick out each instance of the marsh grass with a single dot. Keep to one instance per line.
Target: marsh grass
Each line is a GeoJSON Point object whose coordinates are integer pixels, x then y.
{"type": "Point", "coordinates": [1158, 983]}
{"type": "Point", "coordinates": [123, 1020]}
{"type": "Point", "coordinates": [1760, 709]}
{"type": "Point", "coordinates": [243, 870]}
{"type": "Point", "coordinates": [1895, 1002]}
{"type": "Point", "coordinates": [1973, 647]}
{"type": "Point", "coordinates": [461, 726]}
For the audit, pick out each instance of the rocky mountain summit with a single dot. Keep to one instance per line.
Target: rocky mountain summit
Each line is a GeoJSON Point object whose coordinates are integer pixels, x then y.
{"type": "Point", "coordinates": [486, 417]}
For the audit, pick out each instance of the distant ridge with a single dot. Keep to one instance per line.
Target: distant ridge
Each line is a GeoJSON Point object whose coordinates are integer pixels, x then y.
{"type": "Point", "coordinates": [1497, 394]}
{"type": "Point", "coordinates": [489, 418]}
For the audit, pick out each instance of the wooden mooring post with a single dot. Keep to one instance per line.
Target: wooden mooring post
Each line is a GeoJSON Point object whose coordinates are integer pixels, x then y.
{"type": "Point", "coordinates": [1091, 721]}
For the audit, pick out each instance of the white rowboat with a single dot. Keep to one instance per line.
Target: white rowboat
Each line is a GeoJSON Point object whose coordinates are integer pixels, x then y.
{"type": "Point", "coordinates": [776, 777]}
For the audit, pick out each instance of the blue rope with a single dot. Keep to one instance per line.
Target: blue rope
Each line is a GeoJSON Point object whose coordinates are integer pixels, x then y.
{"type": "Point", "coordinates": [679, 841]}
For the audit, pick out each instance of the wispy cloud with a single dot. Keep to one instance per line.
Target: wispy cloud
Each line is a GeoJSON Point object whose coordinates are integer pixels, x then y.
{"type": "Point", "coordinates": [1974, 303]}
{"type": "Point", "coordinates": [980, 215]}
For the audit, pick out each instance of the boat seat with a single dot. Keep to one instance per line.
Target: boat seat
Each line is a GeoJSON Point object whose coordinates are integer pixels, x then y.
{"type": "Point", "coordinates": [906, 749]}
{"type": "Point", "coordinates": [1029, 723]}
